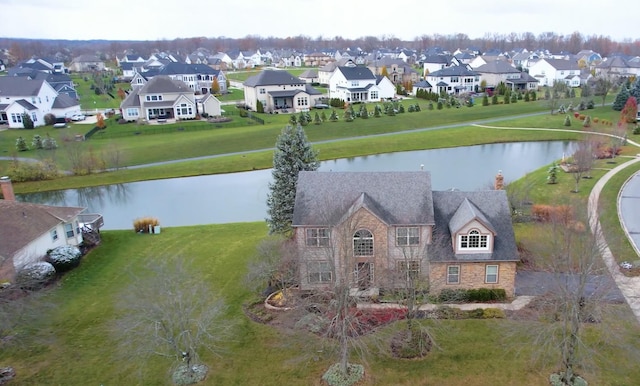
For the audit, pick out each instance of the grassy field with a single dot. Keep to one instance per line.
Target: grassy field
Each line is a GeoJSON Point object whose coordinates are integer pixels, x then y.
{"type": "Point", "coordinates": [75, 346]}
{"type": "Point", "coordinates": [88, 98]}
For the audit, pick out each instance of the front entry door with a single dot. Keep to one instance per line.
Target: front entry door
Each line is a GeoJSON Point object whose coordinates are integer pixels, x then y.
{"type": "Point", "coordinates": [364, 275]}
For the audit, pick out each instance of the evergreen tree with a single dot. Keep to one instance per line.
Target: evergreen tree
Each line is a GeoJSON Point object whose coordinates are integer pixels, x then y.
{"type": "Point", "coordinates": [364, 113]}
{"type": "Point", "coordinates": [323, 116]}
{"type": "Point", "coordinates": [485, 100]}
{"type": "Point", "coordinates": [302, 119]}
{"type": "Point", "coordinates": [334, 116]}
{"type": "Point", "coordinates": [27, 122]}
{"type": "Point", "coordinates": [494, 99]}
{"type": "Point", "coordinates": [567, 121]}
{"type": "Point", "coordinates": [526, 97]}
{"type": "Point", "coordinates": [49, 143]}
{"type": "Point", "coordinates": [316, 119]}
{"type": "Point", "coordinates": [36, 143]}
{"type": "Point", "coordinates": [377, 111]}
{"type": "Point", "coordinates": [293, 153]}
{"type": "Point", "coordinates": [534, 95]}
{"type": "Point", "coordinates": [293, 120]}
{"type": "Point", "coordinates": [621, 99]}
{"type": "Point", "coordinates": [635, 89]}
{"type": "Point", "coordinates": [21, 144]}
{"type": "Point", "coordinates": [259, 107]}
{"type": "Point", "coordinates": [585, 91]}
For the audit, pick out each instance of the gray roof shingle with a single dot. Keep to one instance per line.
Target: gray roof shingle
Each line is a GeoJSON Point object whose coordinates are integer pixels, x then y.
{"type": "Point", "coordinates": [19, 86]}
{"type": "Point", "coordinates": [272, 78]}
{"type": "Point", "coordinates": [356, 73]}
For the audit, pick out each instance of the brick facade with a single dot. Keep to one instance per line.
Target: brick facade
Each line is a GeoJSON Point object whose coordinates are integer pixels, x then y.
{"type": "Point", "coordinates": [472, 275]}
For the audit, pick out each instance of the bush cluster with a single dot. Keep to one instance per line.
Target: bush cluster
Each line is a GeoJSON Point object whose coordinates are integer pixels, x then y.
{"type": "Point", "coordinates": [474, 295]}
{"type": "Point", "coordinates": [64, 258]}
{"type": "Point", "coordinates": [35, 275]}
{"type": "Point", "coordinates": [548, 213]}
{"type": "Point", "coordinates": [145, 224]}
{"type": "Point", "coordinates": [334, 377]}
{"type": "Point", "coordinates": [446, 312]}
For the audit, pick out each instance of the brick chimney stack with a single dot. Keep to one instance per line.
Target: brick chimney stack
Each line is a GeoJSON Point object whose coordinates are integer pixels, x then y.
{"type": "Point", "coordinates": [499, 183]}
{"type": "Point", "coordinates": [7, 189]}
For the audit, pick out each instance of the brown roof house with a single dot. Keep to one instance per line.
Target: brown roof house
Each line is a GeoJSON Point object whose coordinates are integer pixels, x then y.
{"type": "Point", "coordinates": [377, 229]}
{"type": "Point", "coordinates": [28, 230]}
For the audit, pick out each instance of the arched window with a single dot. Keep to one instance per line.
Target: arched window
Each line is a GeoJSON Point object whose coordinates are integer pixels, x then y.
{"type": "Point", "coordinates": [473, 240]}
{"type": "Point", "coordinates": [363, 243]}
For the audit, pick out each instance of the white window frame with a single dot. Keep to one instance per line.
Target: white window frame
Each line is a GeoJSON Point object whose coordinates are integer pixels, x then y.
{"type": "Point", "coordinates": [451, 275]}
{"type": "Point", "coordinates": [474, 237]}
{"type": "Point", "coordinates": [487, 274]}
{"type": "Point", "coordinates": [319, 272]}
{"type": "Point", "coordinates": [405, 238]}
{"type": "Point", "coordinates": [363, 243]}
{"type": "Point", "coordinates": [68, 230]}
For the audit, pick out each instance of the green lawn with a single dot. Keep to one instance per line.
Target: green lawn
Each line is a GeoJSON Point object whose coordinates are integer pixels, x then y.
{"type": "Point", "coordinates": [75, 346]}
{"type": "Point", "coordinates": [88, 98]}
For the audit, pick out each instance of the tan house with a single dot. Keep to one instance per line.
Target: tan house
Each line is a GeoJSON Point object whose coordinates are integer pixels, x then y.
{"type": "Point", "coordinates": [279, 92]}
{"type": "Point", "coordinates": [376, 229]}
{"type": "Point", "coordinates": [28, 231]}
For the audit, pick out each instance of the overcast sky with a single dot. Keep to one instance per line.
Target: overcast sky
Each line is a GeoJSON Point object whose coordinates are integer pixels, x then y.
{"type": "Point", "coordinates": [406, 19]}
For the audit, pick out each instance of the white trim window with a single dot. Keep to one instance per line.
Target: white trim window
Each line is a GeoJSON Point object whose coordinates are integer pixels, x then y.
{"type": "Point", "coordinates": [453, 274]}
{"type": "Point", "coordinates": [491, 274]}
{"type": "Point", "coordinates": [363, 243]}
{"type": "Point", "coordinates": [473, 241]}
{"type": "Point", "coordinates": [54, 234]}
{"type": "Point", "coordinates": [317, 237]}
{"type": "Point", "coordinates": [406, 236]}
{"type": "Point", "coordinates": [133, 112]}
{"type": "Point", "coordinates": [68, 229]}
{"type": "Point", "coordinates": [319, 272]}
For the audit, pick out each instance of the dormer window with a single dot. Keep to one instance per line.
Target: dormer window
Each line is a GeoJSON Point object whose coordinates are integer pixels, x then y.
{"type": "Point", "coordinates": [473, 241]}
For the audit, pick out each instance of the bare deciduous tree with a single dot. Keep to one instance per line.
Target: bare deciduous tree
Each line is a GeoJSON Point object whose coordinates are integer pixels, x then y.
{"type": "Point", "coordinates": [167, 311]}
{"type": "Point", "coordinates": [583, 159]}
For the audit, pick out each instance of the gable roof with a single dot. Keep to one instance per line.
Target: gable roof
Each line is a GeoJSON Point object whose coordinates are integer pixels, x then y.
{"type": "Point", "coordinates": [467, 212]}
{"type": "Point", "coordinates": [21, 223]}
{"type": "Point", "coordinates": [64, 101]}
{"type": "Point", "coordinates": [321, 195]}
{"type": "Point", "coordinates": [356, 73]}
{"type": "Point", "coordinates": [272, 78]}
{"type": "Point", "coordinates": [18, 86]}
{"type": "Point", "coordinates": [26, 105]}
{"type": "Point", "coordinates": [453, 71]}
{"type": "Point", "coordinates": [491, 204]}
{"type": "Point", "coordinates": [174, 68]}
{"type": "Point", "coordinates": [162, 84]}
{"type": "Point", "coordinates": [497, 67]}
{"type": "Point", "coordinates": [561, 64]}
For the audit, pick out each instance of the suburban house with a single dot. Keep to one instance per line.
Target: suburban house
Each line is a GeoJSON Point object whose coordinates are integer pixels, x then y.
{"type": "Point", "coordinates": [199, 77]}
{"type": "Point", "coordinates": [454, 80]}
{"type": "Point", "coordinates": [86, 63]}
{"type": "Point", "coordinates": [325, 72]}
{"type": "Point", "coordinates": [353, 226]}
{"type": "Point", "coordinates": [36, 97]}
{"type": "Point", "coordinates": [279, 92]}
{"type": "Point", "coordinates": [28, 230]}
{"type": "Point", "coordinates": [397, 70]}
{"type": "Point", "coordinates": [619, 65]}
{"type": "Point", "coordinates": [359, 84]}
{"type": "Point", "coordinates": [548, 71]}
{"type": "Point", "coordinates": [433, 63]}
{"type": "Point", "coordinates": [129, 58]}
{"type": "Point", "coordinates": [309, 76]}
{"type": "Point", "coordinates": [48, 65]}
{"type": "Point", "coordinates": [164, 98]}
{"type": "Point", "coordinates": [316, 59]}
{"type": "Point", "coordinates": [498, 71]}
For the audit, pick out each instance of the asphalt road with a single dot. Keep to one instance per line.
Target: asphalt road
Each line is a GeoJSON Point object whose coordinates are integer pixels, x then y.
{"type": "Point", "coordinates": [535, 283]}
{"type": "Point", "coordinates": [629, 209]}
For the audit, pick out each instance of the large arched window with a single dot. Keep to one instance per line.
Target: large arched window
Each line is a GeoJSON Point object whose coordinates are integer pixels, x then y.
{"type": "Point", "coordinates": [363, 243]}
{"type": "Point", "coordinates": [473, 240]}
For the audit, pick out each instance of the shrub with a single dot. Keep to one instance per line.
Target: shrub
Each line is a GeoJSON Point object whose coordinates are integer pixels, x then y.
{"type": "Point", "coordinates": [21, 144]}
{"type": "Point", "coordinates": [587, 121]}
{"type": "Point", "coordinates": [49, 143]}
{"type": "Point", "coordinates": [145, 224]}
{"type": "Point", "coordinates": [49, 119]}
{"type": "Point", "coordinates": [546, 213]}
{"type": "Point", "coordinates": [482, 295]}
{"type": "Point", "coordinates": [493, 313]}
{"type": "Point", "coordinates": [446, 312]}
{"type": "Point", "coordinates": [35, 275]}
{"type": "Point", "coordinates": [33, 171]}
{"type": "Point", "coordinates": [453, 296]}
{"type": "Point", "coordinates": [477, 313]}
{"type": "Point", "coordinates": [567, 121]}
{"type": "Point", "coordinates": [334, 376]}
{"type": "Point", "coordinates": [36, 142]}
{"type": "Point", "coordinates": [590, 105]}
{"type": "Point", "coordinates": [64, 258]}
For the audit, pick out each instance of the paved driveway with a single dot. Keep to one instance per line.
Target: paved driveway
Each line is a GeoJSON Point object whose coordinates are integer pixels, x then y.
{"type": "Point", "coordinates": [629, 209]}
{"type": "Point", "coordinates": [534, 283]}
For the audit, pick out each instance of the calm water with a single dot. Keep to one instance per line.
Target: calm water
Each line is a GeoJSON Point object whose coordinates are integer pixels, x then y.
{"type": "Point", "coordinates": [241, 197]}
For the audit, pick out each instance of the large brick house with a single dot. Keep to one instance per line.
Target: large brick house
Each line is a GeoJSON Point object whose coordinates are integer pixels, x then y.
{"type": "Point", "coordinates": [373, 229]}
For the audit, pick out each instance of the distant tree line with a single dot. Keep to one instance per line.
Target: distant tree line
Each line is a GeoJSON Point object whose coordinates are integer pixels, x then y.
{"type": "Point", "coordinates": [22, 49]}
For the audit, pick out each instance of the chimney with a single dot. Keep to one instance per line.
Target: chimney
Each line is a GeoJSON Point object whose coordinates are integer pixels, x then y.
{"type": "Point", "coordinates": [7, 189]}
{"type": "Point", "coordinates": [499, 183]}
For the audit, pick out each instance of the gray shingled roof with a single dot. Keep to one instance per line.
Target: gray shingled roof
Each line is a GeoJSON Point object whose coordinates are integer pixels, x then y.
{"type": "Point", "coordinates": [184, 68]}
{"type": "Point", "coordinates": [64, 101]}
{"type": "Point", "coordinates": [18, 86]}
{"type": "Point", "coordinates": [466, 213]}
{"type": "Point", "coordinates": [497, 67]}
{"type": "Point", "coordinates": [561, 64]}
{"type": "Point", "coordinates": [356, 73]}
{"type": "Point", "coordinates": [26, 105]}
{"type": "Point", "coordinates": [453, 71]}
{"type": "Point", "coordinates": [493, 205]}
{"type": "Point", "coordinates": [163, 84]}
{"type": "Point", "coordinates": [273, 78]}
{"type": "Point", "coordinates": [395, 197]}
{"type": "Point", "coordinates": [132, 99]}
{"type": "Point", "coordinates": [21, 223]}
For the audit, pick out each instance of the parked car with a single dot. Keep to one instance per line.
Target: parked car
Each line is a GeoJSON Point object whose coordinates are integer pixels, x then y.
{"type": "Point", "coordinates": [78, 117]}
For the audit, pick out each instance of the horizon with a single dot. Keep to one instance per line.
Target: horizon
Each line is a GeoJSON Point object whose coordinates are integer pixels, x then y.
{"type": "Point", "coordinates": [357, 19]}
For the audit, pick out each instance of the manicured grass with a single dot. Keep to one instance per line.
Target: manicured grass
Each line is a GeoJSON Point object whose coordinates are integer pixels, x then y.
{"type": "Point", "coordinates": [234, 94]}
{"type": "Point", "coordinates": [77, 345]}
{"type": "Point", "coordinates": [88, 98]}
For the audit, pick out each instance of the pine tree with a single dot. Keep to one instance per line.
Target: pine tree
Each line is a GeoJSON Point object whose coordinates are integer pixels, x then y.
{"type": "Point", "coordinates": [567, 121]}
{"type": "Point", "coordinates": [635, 89]}
{"type": "Point", "coordinates": [36, 143]}
{"type": "Point", "coordinates": [316, 119]}
{"type": "Point", "coordinates": [621, 99]}
{"type": "Point", "coordinates": [27, 122]}
{"type": "Point", "coordinates": [334, 116]}
{"type": "Point", "coordinates": [293, 153]}
{"type": "Point", "coordinates": [585, 91]}
{"type": "Point", "coordinates": [21, 144]}
{"type": "Point", "coordinates": [494, 99]}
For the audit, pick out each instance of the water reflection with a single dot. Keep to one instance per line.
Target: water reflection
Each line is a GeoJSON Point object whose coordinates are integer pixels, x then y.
{"type": "Point", "coordinates": [239, 197]}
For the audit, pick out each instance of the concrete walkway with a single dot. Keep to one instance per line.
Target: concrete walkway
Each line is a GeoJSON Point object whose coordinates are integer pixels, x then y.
{"type": "Point", "coordinates": [517, 303]}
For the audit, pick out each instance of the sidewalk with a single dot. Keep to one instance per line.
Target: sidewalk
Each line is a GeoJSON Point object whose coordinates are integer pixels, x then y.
{"type": "Point", "coordinates": [517, 303]}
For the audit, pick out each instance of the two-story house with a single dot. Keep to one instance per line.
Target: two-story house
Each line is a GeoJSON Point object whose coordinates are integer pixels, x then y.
{"type": "Point", "coordinates": [359, 84]}
{"type": "Point", "coordinates": [454, 80]}
{"type": "Point", "coordinates": [501, 71]}
{"type": "Point", "coordinates": [36, 97]}
{"type": "Point", "coordinates": [86, 63]}
{"type": "Point", "coordinates": [397, 70]}
{"type": "Point", "coordinates": [433, 63]}
{"type": "Point", "coordinates": [280, 92]}
{"type": "Point", "coordinates": [199, 77]}
{"type": "Point", "coordinates": [375, 229]}
{"type": "Point", "coordinates": [325, 72]}
{"type": "Point", "coordinates": [549, 71]}
{"type": "Point", "coordinates": [164, 98]}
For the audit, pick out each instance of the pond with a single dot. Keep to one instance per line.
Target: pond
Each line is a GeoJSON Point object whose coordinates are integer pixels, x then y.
{"type": "Point", "coordinates": [241, 197]}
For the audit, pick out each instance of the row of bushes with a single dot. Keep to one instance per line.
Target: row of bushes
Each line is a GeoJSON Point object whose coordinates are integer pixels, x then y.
{"type": "Point", "coordinates": [58, 260]}
{"type": "Point", "coordinates": [446, 312]}
{"type": "Point", "coordinates": [475, 295]}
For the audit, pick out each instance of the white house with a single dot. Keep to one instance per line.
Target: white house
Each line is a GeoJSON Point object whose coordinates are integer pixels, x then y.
{"type": "Point", "coordinates": [36, 97]}
{"type": "Point", "coordinates": [432, 63]}
{"type": "Point", "coordinates": [454, 80]}
{"type": "Point", "coordinates": [359, 84]}
{"type": "Point", "coordinates": [160, 97]}
{"type": "Point", "coordinates": [28, 230]}
{"type": "Point", "coordinates": [199, 77]}
{"type": "Point", "coordinates": [548, 71]}
{"type": "Point", "coordinates": [325, 72]}
{"type": "Point", "coordinates": [279, 91]}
